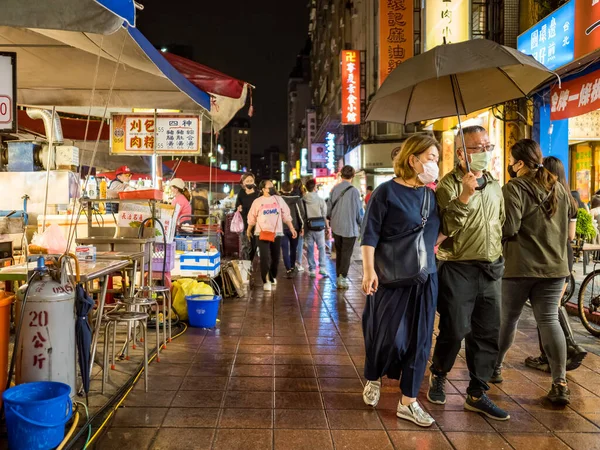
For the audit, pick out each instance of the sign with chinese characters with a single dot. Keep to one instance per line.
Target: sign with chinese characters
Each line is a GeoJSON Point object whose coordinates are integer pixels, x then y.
{"type": "Point", "coordinates": [320, 172]}
{"type": "Point", "coordinates": [585, 127]}
{"type": "Point", "coordinates": [330, 144]}
{"type": "Point", "coordinates": [304, 161]}
{"type": "Point", "coordinates": [396, 35]}
{"type": "Point", "coordinates": [350, 87]}
{"type": "Point", "coordinates": [446, 19]}
{"type": "Point", "coordinates": [8, 92]}
{"type": "Point", "coordinates": [318, 153]}
{"type": "Point", "coordinates": [142, 134]}
{"type": "Point", "coordinates": [551, 41]}
{"type": "Point", "coordinates": [133, 214]}
{"type": "Point", "coordinates": [575, 97]}
{"type": "Point", "coordinates": [587, 26]}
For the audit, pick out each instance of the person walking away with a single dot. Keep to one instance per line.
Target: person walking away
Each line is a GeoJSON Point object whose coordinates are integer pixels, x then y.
{"type": "Point", "coordinates": [345, 210]}
{"type": "Point", "coordinates": [243, 203]}
{"type": "Point", "coordinates": [267, 215]}
{"type": "Point", "coordinates": [575, 352]}
{"type": "Point", "coordinates": [181, 197]}
{"type": "Point", "coordinates": [119, 184]}
{"type": "Point", "coordinates": [315, 218]}
{"type": "Point", "coordinates": [368, 194]}
{"type": "Point", "coordinates": [299, 190]}
{"type": "Point", "coordinates": [289, 245]}
{"type": "Point", "coordinates": [398, 320]}
{"type": "Point", "coordinates": [470, 273]}
{"type": "Point", "coordinates": [536, 234]}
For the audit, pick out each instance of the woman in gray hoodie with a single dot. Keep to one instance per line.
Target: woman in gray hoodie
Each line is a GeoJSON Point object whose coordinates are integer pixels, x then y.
{"type": "Point", "coordinates": [315, 223]}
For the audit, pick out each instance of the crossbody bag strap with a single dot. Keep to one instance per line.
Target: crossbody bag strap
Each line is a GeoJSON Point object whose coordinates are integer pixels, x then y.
{"type": "Point", "coordinates": [424, 216]}
{"type": "Point", "coordinates": [339, 198]}
{"type": "Point", "coordinates": [532, 212]}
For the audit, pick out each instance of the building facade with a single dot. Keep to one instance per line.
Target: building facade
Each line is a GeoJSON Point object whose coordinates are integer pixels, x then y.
{"type": "Point", "coordinates": [236, 141]}
{"type": "Point", "coordinates": [384, 33]}
{"type": "Point", "coordinates": [299, 101]}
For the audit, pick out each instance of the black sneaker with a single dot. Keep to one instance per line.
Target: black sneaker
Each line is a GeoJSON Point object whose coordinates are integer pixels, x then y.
{"type": "Point", "coordinates": [559, 394]}
{"type": "Point", "coordinates": [497, 375]}
{"type": "Point", "coordinates": [539, 363]}
{"type": "Point", "coordinates": [576, 355]}
{"type": "Point", "coordinates": [486, 406]}
{"type": "Point", "coordinates": [289, 273]}
{"type": "Point", "coordinates": [437, 389]}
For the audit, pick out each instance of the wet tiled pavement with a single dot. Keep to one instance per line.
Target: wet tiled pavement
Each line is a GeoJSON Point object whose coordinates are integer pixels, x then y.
{"type": "Point", "coordinates": [284, 371]}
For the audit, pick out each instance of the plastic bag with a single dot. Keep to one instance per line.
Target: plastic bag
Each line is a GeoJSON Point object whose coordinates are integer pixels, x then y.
{"type": "Point", "coordinates": [187, 286]}
{"type": "Point", "coordinates": [237, 223]}
{"type": "Point", "coordinates": [52, 240]}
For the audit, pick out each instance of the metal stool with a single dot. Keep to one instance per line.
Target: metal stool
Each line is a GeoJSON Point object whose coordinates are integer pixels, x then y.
{"type": "Point", "coordinates": [133, 305]}
{"type": "Point", "coordinates": [131, 318]}
{"type": "Point", "coordinates": [165, 292]}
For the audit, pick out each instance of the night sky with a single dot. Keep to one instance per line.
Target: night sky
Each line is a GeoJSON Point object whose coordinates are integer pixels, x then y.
{"type": "Point", "coordinates": [255, 41]}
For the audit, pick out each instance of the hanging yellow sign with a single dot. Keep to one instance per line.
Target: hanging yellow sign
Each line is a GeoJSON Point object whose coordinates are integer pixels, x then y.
{"type": "Point", "coordinates": [447, 19]}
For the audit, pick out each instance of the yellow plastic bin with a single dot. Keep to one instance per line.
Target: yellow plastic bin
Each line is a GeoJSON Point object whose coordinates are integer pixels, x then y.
{"type": "Point", "coordinates": [6, 301]}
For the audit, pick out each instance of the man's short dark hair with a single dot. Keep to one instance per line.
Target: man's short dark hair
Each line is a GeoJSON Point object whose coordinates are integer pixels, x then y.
{"type": "Point", "coordinates": [369, 188]}
{"type": "Point", "coordinates": [310, 185]}
{"type": "Point", "coordinates": [473, 129]}
{"type": "Point", "coordinates": [595, 201]}
{"type": "Point", "coordinates": [348, 172]}
{"type": "Point", "coordinates": [286, 186]}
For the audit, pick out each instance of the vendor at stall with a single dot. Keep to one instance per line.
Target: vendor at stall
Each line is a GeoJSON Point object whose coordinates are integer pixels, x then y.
{"type": "Point", "coordinates": [181, 197]}
{"type": "Point", "coordinates": [120, 183]}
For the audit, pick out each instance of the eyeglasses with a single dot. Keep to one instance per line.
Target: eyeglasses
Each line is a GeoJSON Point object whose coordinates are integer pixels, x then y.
{"type": "Point", "coordinates": [480, 149]}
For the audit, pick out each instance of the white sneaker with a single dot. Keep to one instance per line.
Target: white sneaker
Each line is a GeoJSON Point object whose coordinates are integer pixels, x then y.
{"type": "Point", "coordinates": [415, 414]}
{"type": "Point", "coordinates": [312, 273]}
{"type": "Point", "coordinates": [299, 267]}
{"type": "Point", "coordinates": [273, 281]}
{"type": "Point", "coordinates": [371, 393]}
{"type": "Point", "coordinates": [267, 286]}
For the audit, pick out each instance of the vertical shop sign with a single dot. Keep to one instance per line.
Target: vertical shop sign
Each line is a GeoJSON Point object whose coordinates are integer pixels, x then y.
{"type": "Point", "coordinates": [350, 87]}
{"type": "Point", "coordinates": [8, 92]}
{"type": "Point", "coordinates": [446, 20]}
{"type": "Point", "coordinates": [330, 144]}
{"type": "Point", "coordinates": [396, 35]}
{"type": "Point", "coordinates": [551, 41]}
{"type": "Point", "coordinates": [587, 26]}
{"type": "Point", "coordinates": [304, 161]}
{"type": "Point", "coordinates": [575, 97]}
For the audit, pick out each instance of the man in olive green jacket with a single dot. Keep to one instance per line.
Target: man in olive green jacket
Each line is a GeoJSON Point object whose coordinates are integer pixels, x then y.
{"type": "Point", "coordinates": [470, 273]}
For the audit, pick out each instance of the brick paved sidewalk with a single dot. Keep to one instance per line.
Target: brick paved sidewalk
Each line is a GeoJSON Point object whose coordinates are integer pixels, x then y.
{"type": "Point", "coordinates": [284, 371]}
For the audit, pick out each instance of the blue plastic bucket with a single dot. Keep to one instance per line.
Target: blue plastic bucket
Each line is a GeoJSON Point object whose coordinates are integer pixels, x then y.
{"type": "Point", "coordinates": [203, 310]}
{"type": "Point", "coordinates": [36, 414]}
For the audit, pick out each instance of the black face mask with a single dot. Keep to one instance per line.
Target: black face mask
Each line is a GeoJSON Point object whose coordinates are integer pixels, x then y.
{"type": "Point", "coordinates": [272, 191]}
{"type": "Point", "coordinates": [511, 172]}
{"type": "Point", "coordinates": [249, 186]}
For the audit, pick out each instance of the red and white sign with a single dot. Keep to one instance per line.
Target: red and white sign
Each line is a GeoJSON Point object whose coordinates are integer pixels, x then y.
{"type": "Point", "coordinates": [8, 97]}
{"type": "Point", "coordinates": [350, 87]}
{"type": "Point", "coordinates": [318, 153]}
{"type": "Point", "coordinates": [321, 172]}
{"type": "Point", "coordinates": [575, 97]}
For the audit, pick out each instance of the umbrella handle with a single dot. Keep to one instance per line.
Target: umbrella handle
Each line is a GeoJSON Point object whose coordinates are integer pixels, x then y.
{"type": "Point", "coordinates": [74, 258]}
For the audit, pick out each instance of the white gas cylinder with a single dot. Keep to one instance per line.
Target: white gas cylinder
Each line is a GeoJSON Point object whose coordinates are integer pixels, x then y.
{"type": "Point", "coordinates": [46, 348]}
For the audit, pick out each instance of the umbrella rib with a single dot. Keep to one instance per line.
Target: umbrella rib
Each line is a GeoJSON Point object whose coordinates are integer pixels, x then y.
{"type": "Point", "coordinates": [512, 81]}
{"type": "Point", "coordinates": [412, 90]}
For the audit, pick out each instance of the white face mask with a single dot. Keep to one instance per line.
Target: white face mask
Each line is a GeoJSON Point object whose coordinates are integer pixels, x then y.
{"type": "Point", "coordinates": [430, 173]}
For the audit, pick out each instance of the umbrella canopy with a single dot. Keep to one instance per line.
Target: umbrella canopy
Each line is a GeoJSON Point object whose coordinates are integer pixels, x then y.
{"type": "Point", "coordinates": [191, 172]}
{"type": "Point", "coordinates": [456, 78]}
{"type": "Point", "coordinates": [83, 334]}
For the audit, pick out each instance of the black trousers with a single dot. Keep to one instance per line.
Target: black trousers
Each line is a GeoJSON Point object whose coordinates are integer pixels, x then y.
{"type": "Point", "coordinates": [270, 252]}
{"type": "Point", "coordinates": [344, 246]}
{"type": "Point", "coordinates": [469, 306]}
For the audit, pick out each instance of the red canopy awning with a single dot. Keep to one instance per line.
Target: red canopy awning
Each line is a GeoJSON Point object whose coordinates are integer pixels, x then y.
{"type": "Point", "coordinates": [205, 78]}
{"type": "Point", "coordinates": [197, 173]}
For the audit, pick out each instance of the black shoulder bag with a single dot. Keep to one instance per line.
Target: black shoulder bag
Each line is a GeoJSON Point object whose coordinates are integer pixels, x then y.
{"type": "Point", "coordinates": [314, 223]}
{"type": "Point", "coordinates": [401, 260]}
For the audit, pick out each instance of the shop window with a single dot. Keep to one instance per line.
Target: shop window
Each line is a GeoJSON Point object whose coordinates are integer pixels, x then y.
{"type": "Point", "coordinates": [388, 129]}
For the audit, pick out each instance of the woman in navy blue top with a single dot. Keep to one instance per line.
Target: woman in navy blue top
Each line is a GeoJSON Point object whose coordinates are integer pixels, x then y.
{"type": "Point", "coordinates": [398, 323]}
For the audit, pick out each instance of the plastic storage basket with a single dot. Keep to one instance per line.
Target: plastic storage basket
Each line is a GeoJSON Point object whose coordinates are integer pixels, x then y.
{"type": "Point", "coordinates": [160, 254]}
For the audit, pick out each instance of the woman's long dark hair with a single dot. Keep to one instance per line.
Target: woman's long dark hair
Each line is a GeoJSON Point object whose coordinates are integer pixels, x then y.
{"type": "Point", "coordinates": [528, 151]}
{"type": "Point", "coordinates": [185, 192]}
{"type": "Point", "coordinates": [555, 166]}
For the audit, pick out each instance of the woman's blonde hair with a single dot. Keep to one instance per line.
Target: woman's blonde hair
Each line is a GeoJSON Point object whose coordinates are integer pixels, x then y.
{"type": "Point", "coordinates": [414, 145]}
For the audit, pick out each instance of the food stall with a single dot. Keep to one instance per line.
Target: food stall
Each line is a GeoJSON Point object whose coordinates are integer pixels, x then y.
{"type": "Point", "coordinates": [99, 65]}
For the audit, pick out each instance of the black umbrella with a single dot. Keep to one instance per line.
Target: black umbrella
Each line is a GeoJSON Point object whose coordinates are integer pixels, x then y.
{"type": "Point", "coordinates": [83, 335]}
